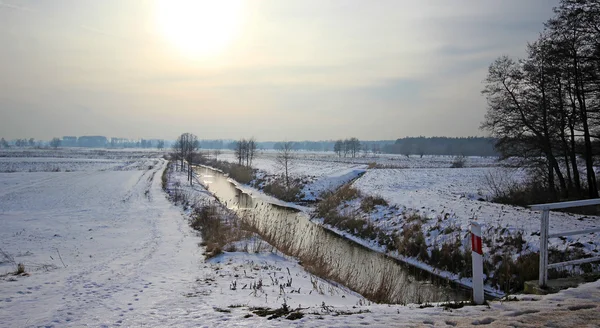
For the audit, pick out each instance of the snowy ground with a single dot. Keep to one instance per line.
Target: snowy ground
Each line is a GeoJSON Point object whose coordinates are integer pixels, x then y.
{"type": "Point", "coordinates": [105, 248]}
{"type": "Point", "coordinates": [450, 197]}
{"type": "Point", "coordinates": [265, 160]}
{"type": "Point", "coordinates": [435, 192]}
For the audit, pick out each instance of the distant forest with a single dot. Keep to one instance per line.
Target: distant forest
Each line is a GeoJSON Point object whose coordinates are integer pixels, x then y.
{"type": "Point", "coordinates": [467, 146]}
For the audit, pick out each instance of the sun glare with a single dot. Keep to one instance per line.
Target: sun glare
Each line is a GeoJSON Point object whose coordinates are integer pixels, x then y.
{"type": "Point", "coordinates": [199, 28]}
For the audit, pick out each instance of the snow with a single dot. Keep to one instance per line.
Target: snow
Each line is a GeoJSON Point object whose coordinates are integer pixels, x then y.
{"type": "Point", "coordinates": [333, 181]}
{"type": "Point", "coordinates": [129, 257]}
{"type": "Point", "coordinates": [435, 192]}
{"type": "Point", "coordinates": [450, 197]}
{"type": "Point", "coordinates": [104, 247]}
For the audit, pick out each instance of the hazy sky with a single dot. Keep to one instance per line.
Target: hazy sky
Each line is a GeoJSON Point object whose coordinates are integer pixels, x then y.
{"type": "Point", "coordinates": [275, 70]}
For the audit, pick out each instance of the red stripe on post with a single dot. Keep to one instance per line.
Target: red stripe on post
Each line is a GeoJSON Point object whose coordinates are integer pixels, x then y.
{"type": "Point", "coordinates": [476, 244]}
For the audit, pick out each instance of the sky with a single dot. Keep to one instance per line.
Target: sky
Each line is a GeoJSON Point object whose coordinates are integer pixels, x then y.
{"type": "Point", "coordinates": [272, 69]}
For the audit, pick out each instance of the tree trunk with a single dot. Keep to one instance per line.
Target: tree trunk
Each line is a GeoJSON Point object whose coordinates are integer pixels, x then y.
{"type": "Point", "coordinates": [559, 175]}
{"type": "Point", "coordinates": [588, 155]}
{"type": "Point", "coordinates": [573, 155]}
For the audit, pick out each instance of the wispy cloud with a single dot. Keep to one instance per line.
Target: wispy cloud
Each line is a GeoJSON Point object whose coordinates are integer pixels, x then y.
{"type": "Point", "coordinates": [13, 6]}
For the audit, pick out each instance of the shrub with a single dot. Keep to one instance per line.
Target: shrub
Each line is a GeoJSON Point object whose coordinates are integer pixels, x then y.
{"type": "Point", "coordinates": [451, 257]}
{"type": "Point", "coordinates": [20, 269]}
{"type": "Point", "coordinates": [331, 200]}
{"type": "Point", "coordinates": [217, 232]}
{"type": "Point", "coordinates": [240, 173]}
{"type": "Point", "coordinates": [277, 189]}
{"type": "Point", "coordinates": [165, 177]}
{"type": "Point", "coordinates": [510, 276]}
{"type": "Point", "coordinates": [368, 203]}
{"type": "Point", "coordinates": [459, 162]}
{"type": "Point", "coordinates": [411, 242]}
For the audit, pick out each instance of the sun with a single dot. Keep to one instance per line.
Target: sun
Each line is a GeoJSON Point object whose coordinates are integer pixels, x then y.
{"type": "Point", "coordinates": [199, 28]}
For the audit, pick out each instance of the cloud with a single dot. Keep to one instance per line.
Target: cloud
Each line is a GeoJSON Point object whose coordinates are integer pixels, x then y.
{"type": "Point", "coordinates": [309, 69]}
{"type": "Point", "coordinates": [13, 6]}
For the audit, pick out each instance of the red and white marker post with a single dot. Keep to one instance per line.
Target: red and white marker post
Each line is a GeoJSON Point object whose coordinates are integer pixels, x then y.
{"type": "Point", "coordinates": [476, 247]}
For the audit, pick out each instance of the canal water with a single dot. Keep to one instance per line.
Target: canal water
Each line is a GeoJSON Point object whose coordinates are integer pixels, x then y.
{"type": "Point", "coordinates": [322, 252]}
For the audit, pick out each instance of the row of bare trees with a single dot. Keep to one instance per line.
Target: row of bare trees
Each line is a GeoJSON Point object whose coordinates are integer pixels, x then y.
{"type": "Point", "coordinates": [545, 109]}
{"type": "Point", "coordinates": [347, 147]}
{"type": "Point", "coordinates": [245, 151]}
{"type": "Point", "coordinates": [185, 149]}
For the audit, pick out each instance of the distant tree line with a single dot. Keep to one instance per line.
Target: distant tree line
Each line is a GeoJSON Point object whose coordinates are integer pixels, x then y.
{"type": "Point", "coordinates": [104, 142]}
{"type": "Point", "coordinates": [213, 144]}
{"type": "Point", "coordinates": [351, 147]}
{"type": "Point", "coordinates": [463, 146]}
{"type": "Point", "coordinates": [545, 109]}
{"type": "Point", "coordinates": [20, 143]}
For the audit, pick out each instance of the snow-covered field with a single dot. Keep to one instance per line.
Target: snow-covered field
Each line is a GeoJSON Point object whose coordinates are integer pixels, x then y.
{"type": "Point", "coordinates": [435, 192]}
{"type": "Point", "coordinates": [103, 247]}
{"type": "Point", "coordinates": [326, 170]}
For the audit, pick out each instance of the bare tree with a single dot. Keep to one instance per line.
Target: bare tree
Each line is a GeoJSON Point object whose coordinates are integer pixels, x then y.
{"type": "Point", "coordinates": [160, 145]}
{"type": "Point", "coordinates": [354, 145]}
{"type": "Point", "coordinates": [216, 153]}
{"type": "Point", "coordinates": [545, 109]}
{"type": "Point", "coordinates": [251, 149]}
{"type": "Point", "coordinates": [245, 151]}
{"type": "Point", "coordinates": [240, 151]}
{"type": "Point", "coordinates": [185, 148]}
{"type": "Point", "coordinates": [284, 160]}
{"type": "Point", "coordinates": [55, 143]}
{"type": "Point", "coordinates": [338, 148]}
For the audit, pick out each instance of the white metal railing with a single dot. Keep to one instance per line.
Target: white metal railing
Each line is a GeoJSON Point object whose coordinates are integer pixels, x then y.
{"type": "Point", "coordinates": [545, 235]}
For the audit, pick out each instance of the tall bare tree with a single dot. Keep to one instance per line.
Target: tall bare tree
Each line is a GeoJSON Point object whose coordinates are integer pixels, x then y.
{"type": "Point", "coordinates": [284, 160]}
{"type": "Point", "coordinates": [338, 147]}
{"type": "Point", "coordinates": [251, 151]}
{"type": "Point", "coordinates": [185, 148]}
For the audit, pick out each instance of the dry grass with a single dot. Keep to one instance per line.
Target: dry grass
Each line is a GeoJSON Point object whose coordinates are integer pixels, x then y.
{"type": "Point", "coordinates": [411, 242]}
{"type": "Point", "coordinates": [368, 203]}
{"type": "Point", "coordinates": [331, 200]}
{"type": "Point", "coordinates": [5, 257]}
{"type": "Point", "coordinates": [218, 229]}
{"type": "Point", "coordinates": [277, 189]}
